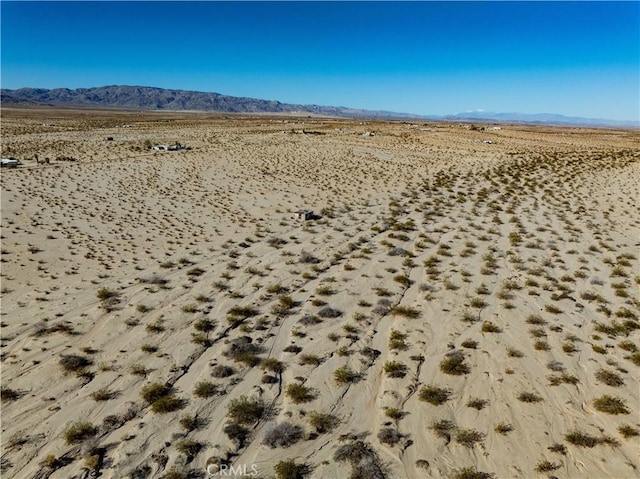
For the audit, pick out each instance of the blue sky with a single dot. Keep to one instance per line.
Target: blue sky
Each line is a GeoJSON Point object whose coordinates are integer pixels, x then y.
{"type": "Point", "coordinates": [572, 58]}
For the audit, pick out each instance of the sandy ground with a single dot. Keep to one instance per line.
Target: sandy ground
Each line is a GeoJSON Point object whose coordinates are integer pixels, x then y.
{"type": "Point", "coordinates": [455, 308]}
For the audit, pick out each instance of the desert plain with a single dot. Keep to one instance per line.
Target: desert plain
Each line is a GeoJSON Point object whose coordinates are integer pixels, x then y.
{"type": "Point", "coordinates": [462, 304]}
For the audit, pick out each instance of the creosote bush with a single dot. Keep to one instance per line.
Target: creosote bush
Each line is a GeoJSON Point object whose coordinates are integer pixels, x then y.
{"type": "Point", "coordinates": [611, 405]}
{"type": "Point", "coordinates": [290, 470]}
{"type": "Point", "coordinates": [471, 473]}
{"type": "Point", "coordinates": [345, 375]}
{"type": "Point", "coordinates": [395, 369]}
{"type": "Point", "coordinates": [299, 393]}
{"type": "Point", "coordinates": [205, 389]}
{"type": "Point", "coordinates": [282, 434]}
{"type": "Point", "coordinates": [434, 395]}
{"type": "Point", "coordinates": [245, 410]}
{"type": "Point", "coordinates": [79, 432]}
{"type": "Point", "coordinates": [161, 398]}
{"type": "Point", "coordinates": [322, 422]}
{"type": "Point", "coordinates": [454, 364]}
{"type": "Point", "coordinates": [388, 435]}
{"type": "Point", "coordinates": [468, 437]}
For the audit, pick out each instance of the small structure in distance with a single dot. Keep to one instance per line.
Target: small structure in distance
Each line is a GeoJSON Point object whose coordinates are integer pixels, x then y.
{"type": "Point", "coordinates": [9, 163]}
{"type": "Point", "coordinates": [175, 147]}
{"type": "Point", "coordinates": [303, 215]}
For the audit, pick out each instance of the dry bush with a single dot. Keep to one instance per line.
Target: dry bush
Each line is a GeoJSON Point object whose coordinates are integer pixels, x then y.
{"type": "Point", "coordinates": [388, 435]}
{"type": "Point", "coordinates": [245, 410]}
{"type": "Point", "coordinates": [434, 395]}
{"type": "Point", "coordinates": [282, 434]}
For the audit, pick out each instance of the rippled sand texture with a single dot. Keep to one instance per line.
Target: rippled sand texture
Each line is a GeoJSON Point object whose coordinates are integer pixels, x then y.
{"type": "Point", "coordinates": [456, 307]}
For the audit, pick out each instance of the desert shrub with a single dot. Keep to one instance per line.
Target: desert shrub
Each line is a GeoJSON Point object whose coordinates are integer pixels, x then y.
{"type": "Point", "coordinates": [388, 435]}
{"type": "Point", "coordinates": [299, 393]}
{"type": "Point", "coordinates": [72, 363]}
{"type": "Point", "coordinates": [443, 428]}
{"type": "Point", "coordinates": [514, 353]}
{"type": "Point", "coordinates": [222, 371]}
{"type": "Point", "coordinates": [579, 438]}
{"type": "Point", "coordinates": [628, 346]}
{"type": "Point", "coordinates": [238, 313]}
{"type": "Point", "coordinates": [190, 308]}
{"type": "Point", "coordinates": [308, 258]}
{"type": "Point", "coordinates": [189, 447]}
{"type": "Point", "coordinates": [550, 308]}
{"type": "Point", "coordinates": [434, 395]}
{"type": "Point", "coordinates": [403, 280]}
{"type": "Point", "coordinates": [503, 428]}
{"type": "Point", "coordinates": [102, 394]}
{"type": "Point", "coordinates": [166, 404]}
{"type": "Point", "coordinates": [106, 293]}
{"type": "Point", "coordinates": [558, 448]}
{"type": "Point", "coordinates": [243, 350]}
{"type": "Point", "coordinates": [290, 470]}
{"type": "Point", "coordinates": [79, 432]}
{"type": "Point", "coordinates": [610, 378]}
{"type": "Point", "coordinates": [310, 359]}
{"type": "Point", "coordinates": [469, 344]}
{"type": "Point", "coordinates": [471, 473]}
{"type": "Point", "coordinates": [50, 462]}
{"type": "Point", "coordinates": [454, 364]}
{"type": "Point", "coordinates": [477, 403]}
{"type": "Point", "coordinates": [161, 398]}
{"type": "Point", "coordinates": [204, 325]}
{"type": "Point", "coordinates": [634, 358]}
{"type": "Point", "coordinates": [395, 369]}
{"type": "Point", "coordinates": [477, 303]}
{"type": "Point", "coordinates": [191, 423]}
{"type": "Point", "coordinates": [283, 306]}
{"type": "Point", "coordinates": [490, 327]}
{"type": "Point", "coordinates": [282, 434]}
{"type": "Point", "coordinates": [328, 312]}
{"type": "Point", "coordinates": [468, 437]}
{"type": "Point", "coordinates": [148, 348]}
{"type": "Point", "coordinates": [405, 311]}
{"type": "Point", "coordinates": [245, 410]}
{"type": "Point", "coordinates": [309, 320]}
{"type": "Point", "coordinates": [152, 392]}
{"type": "Point", "coordinates": [529, 397]}
{"type": "Point", "coordinates": [7, 394]}
{"type": "Point", "coordinates": [325, 291]}
{"type": "Point", "coordinates": [363, 459]}
{"type": "Point", "coordinates": [562, 378]}
{"type": "Point", "coordinates": [546, 466]}
{"type": "Point", "coordinates": [611, 405]}
{"type": "Point", "coordinates": [394, 413]}
{"type": "Point", "coordinates": [541, 346]}
{"type": "Point", "coordinates": [292, 348]}
{"type": "Point", "coordinates": [322, 422]}
{"type": "Point", "coordinates": [205, 389]}
{"type": "Point", "coordinates": [628, 431]}
{"type": "Point", "coordinates": [237, 433]}
{"type": "Point", "coordinates": [272, 364]}
{"type": "Point", "coordinates": [345, 375]}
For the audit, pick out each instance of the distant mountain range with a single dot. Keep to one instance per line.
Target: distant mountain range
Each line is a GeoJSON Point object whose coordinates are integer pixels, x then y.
{"type": "Point", "coordinates": [541, 118]}
{"type": "Point", "coordinates": [150, 98]}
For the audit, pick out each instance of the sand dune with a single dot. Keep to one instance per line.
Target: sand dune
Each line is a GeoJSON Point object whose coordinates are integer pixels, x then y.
{"type": "Point", "coordinates": [456, 309]}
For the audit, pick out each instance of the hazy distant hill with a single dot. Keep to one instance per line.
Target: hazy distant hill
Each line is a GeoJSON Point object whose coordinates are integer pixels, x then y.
{"type": "Point", "coordinates": [149, 98]}
{"type": "Point", "coordinates": [541, 118]}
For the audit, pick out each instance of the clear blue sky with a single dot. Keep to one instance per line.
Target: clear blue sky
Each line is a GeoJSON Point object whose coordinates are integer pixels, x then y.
{"type": "Point", "coordinates": [572, 58]}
